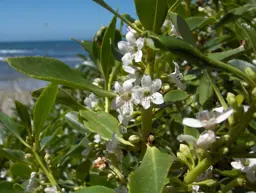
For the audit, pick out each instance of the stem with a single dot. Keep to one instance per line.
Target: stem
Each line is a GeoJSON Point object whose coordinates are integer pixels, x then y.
{"type": "Point", "coordinates": [106, 6]}
{"type": "Point", "coordinates": [174, 6]}
{"type": "Point", "coordinates": [188, 12]}
{"type": "Point", "coordinates": [107, 102]}
{"type": "Point", "coordinates": [46, 172]}
{"type": "Point", "coordinates": [234, 183]}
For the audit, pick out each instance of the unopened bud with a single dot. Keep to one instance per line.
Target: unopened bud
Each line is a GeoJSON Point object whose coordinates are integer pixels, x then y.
{"type": "Point", "coordinates": [182, 158]}
{"type": "Point", "coordinates": [110, 176]}
{"type": "Point", "coordinates": [28, 156]}
{"type": "Point", "coordinates": [166, 87]}
{"type": "Point", "coordinates": [134, 139]}
{"type": "Point", "coordinates": [254, 93]}
{"type": "Point", "coordinates": [151, 139]}
{"type": "Point", "coordinates": [231, 98]}
{"type": "Point", "coordinates": [250, 73]}
{"type": "Point", "coordinates": [184, 149]}
{"type": "Point", "coordinates": [47, 158]}
{"type": "Point", "coordinates": [138, 23]}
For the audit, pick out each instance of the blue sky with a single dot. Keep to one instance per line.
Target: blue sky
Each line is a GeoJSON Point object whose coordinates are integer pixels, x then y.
{"type": "Point", "coordinates": [55, 19]}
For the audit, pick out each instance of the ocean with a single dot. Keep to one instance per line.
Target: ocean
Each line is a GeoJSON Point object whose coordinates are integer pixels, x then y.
{"type": "Point", "coordinates": [65, 51]}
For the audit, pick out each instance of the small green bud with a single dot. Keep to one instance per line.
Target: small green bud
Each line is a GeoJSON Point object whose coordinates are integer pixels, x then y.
{"type": "Point", "coordinates": [166, 87]}
{"type": "Point", "coordinates": [134, 139]}
{"type": "Point", "coordinates": [182, 158]}
{"type": "Point", "coordinates": [250, 73]}
{"type": "Point", "coordinates": [28, 156]}
{"type": "Point", "coordinates": [231, 98]}
{"type": "Point", "coordinates": [184, 149]}
{"type": "Point", "coordinates": [254, 93]}
{"type": "Point", "coordinates": [151, 139]}
{"type": "Point", "coordinates": [110, 176]}
{"type": "Point", "coordinates": [96, 146]}
{"type": "Point", "coordinates": [138, 23]}
{"type": "Point", "coordinates": [47, 158]}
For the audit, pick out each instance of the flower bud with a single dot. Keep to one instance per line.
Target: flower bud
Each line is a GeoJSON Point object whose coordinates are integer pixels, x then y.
{"type": "Point", "coordinates": [182, 158]}
{"type": "Point", "coordinates": [184, 149]}
{"type": "Point", "coordinates": [206, 139]}
{"type": "Point", "coordinates": [110, 176]}
{"type": "Point", "coordinates": [250, 73]}
{"type": "Point", "coordinates": [231, 98]}
{"type": "Point", "coordinates": [138, 23]}
{"type": "Point", "coordinates": [254, 93]}
{"type": "Point", "coordinates": [134, 139]}
{"type": "Point", "coordinates": [28, 156]}
{"type": "Point", "coordinates": [47, 158]}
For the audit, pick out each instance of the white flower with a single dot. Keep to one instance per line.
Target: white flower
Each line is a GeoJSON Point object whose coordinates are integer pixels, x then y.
{"type": "Point", "coordinates": [32, 183]}
{"type": "Point", "coordinates": [132, 50]}
{"type": "Point", "coordinates": [148, 92]}
{"type": "Point", "coordinates": [91, 101]}
{"type": "Point", "coordinates": [100, 163]}
{"type": "Point", "coordinates": [176, 77]}
{"type": "Point", "coordinates": [113, 147]}
{"type": "Point", "coordinates": [246, 165]}
{"type": "Point", "coordinates": [195, 189]}
{"type": "Point", "coordinates": [205, 140]}
{"type": "Point", "coordinates": [126, 98]}
{"type": "Point", "coordinates": [124, 118]}
{"type": "Point", "coordinates": [52, 189]}
{"type": "Point", "coordinates": [207, 119]}
{"type": "Point", "coordinates": [97, 138]}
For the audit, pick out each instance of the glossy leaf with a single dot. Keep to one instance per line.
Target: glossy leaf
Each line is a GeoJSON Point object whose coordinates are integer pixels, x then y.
{"type": "Point", "coordinates": [151, 175]}
{"type": "Point", "coordinates": [24, 115]}
{"type": "Point", "coordinates": [151, 13]}
{"type": "Point", "coordinates": [175, 95]}
{"type": "Point", "coordinates": [13, 154]}
{"type": "Point", "coordinates": [191, 131]}
{"type": "Point", "coordinates": [8, 187]}
{"type": "Point", "coordinates": [21, 170]}
{"type": "Point", "coordinates": [12, 126]}
{"type": "Point", "coordinates": [72, 119]}
{"type": "Point", "coordinates": [182, 28]}
{"type": "Point", "coordinates": [86, 45]}
{"type": "Point", "coordinates": [241, 64]}
{"type": "Point", "coordinates": [196, 23]}
{"type": "Point", "coordinates": [63, 98]}
{"type": "Point", "coordinates": [95, 189]}
{"type": "Point", "coordinates": [226, 54]}
{"type": "Point", "coordinates": [248, 33]}
{"type": "Point", "coordinates": [205, 90]}
{"type": "Point", "coordinates": [235, 14]}
{"type": "Point", "coordinates": [106, 57]}
{"type": "Point", "coordinates": [101, 123]}
{"type": "Point", "coordinates": [52, 70]}
{"type": "Point", "coordinates": [43, 107]}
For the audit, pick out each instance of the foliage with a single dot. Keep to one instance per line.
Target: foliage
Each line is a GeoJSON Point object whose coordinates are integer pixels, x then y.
{"type": "Point", "coordinates": [121, 122]}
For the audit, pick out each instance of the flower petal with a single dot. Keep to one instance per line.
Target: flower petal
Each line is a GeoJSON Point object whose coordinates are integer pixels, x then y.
{"type": "Point", "coordinates": [251, 175]}
{"type": "Point", "coordinates": [145, 102]}
{"type": "Point", "coordinates": [224, 115]}
{"type": "Point", "coordinates": [157, 98]}
{"type": "Point", "coordinates": [129, 69]}
{"type": "Point", "coordinates": [138, 56]}
{"type": "Point", "coordinates": [130, 37]}
{"type": "Point", "coordinates": [127, 108]}
{"type": "Point", "coordinates": [127, 85]}
{"type": "Point", "coordinates": [195, 123]}
{"type": "Point", "coordinates": [127, 59]}
{"type": "Point", "coordinates": [187, 138]}
{"type": "Point", "coordinates": [156, 85]}
{"type": "Point", "coordinates": [206, 139]}
{"type": "Point", "coordinates": [140, 43]}
{"type": "Point", "coordinates": [123, 46]}
{"type": "Point", "coordinates": [118, 88]}
{"type": "Point", "coordinates": [146, 81]}
{"type": "Point", "coordinates": [117, 102]}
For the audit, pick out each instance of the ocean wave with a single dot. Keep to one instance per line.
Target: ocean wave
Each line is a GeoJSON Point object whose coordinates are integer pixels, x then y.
{"type": "Point", "coordinates": [11, 51]}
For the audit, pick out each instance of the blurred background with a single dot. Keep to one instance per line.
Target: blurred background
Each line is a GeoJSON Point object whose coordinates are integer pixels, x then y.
{"type": "Point", "coordinates": [45, 28]}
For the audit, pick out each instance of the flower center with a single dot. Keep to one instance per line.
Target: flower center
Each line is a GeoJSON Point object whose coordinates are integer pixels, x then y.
{"type": "Point", "coordinates": [126, 96]}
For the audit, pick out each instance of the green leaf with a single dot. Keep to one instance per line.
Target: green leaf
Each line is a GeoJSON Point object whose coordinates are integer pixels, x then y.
{"type": "Point", "coordinates": [205, 90]}
{"type": "Point", "coordinates": [21, 170]}
{"type": "Point", "coordinates": [234, 14]}
{"type": "Point", "coordinates": [248, 33]}
{"type": "Point", "coordinates": [95, 189]}
{"type": "Point", "coordinates": [182, 28]}
{"type": "Point", "coordinates": [83, 169]}
{"type": "Point", "coordinates": [175, 95]}
{"type": "Point", "coordinates": [7, 187]}
{"type": "Point", "coordinates": [24, 115]}
{"type": "Point", "coordinates": [151, 13]}
{"type": "Point", "coordinates": [228, 173]}
{"type": "Point", "coordinates": [196, 23]}
{"type": "Point", "coordinates": [241, 64]}
{"type": "Point", "coordinates": [43, 107]}
{"type": "Point", "coordinates": [101, 123]}
{"type": "Point", "coordinates": [72, 119]}
{"type": "Point", "coordinates": [226, 54]}
{"type": "Point", "coordinates": [52, 70]}
{"type": "Point", "coordinates": [86, 45]}
{"type": "Point", "coordinates": [12, 126]}
{"type": "Point", "coordinates": [63, 98]}
{"type": "Point", "coordinates": [13, 154]}
{"type": "Point", "coordinates": [191, 131]}
{"type": "Point", "coordinates": [106, 57]}
{"type": "Point", "coordinates": [151, 175]}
